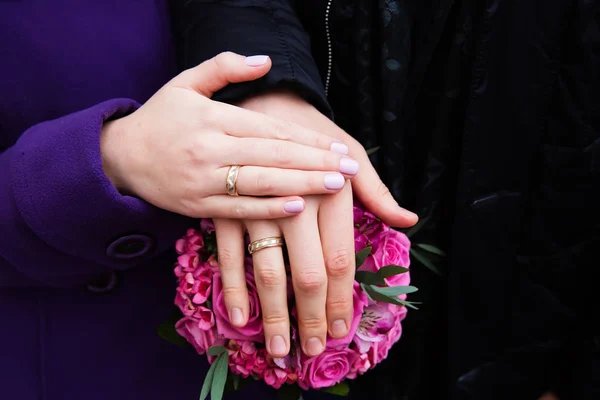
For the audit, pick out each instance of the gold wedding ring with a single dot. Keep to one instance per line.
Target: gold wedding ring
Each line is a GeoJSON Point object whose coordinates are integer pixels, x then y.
{"type": "Point", "coordinates": [273, 241]}
{"type": "Point", "coordinates": [231, 180]}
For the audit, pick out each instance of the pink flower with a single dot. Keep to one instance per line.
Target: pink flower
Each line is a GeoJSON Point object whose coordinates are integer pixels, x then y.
{"type": "Point", "coordinates": [326, 369]}
{"type": "Point", "coordinates": [374, 327]}
{"type": "Point", "coordinates": [191, 242]}
{"type": "Point", "coordinates": [253, 330]}
{"type": "Point", "coordinates": [393, 249]}
{"type": "Point", "coordinates": [197, 285]}
{"type": "Point", "coordinates": [360, 302]}
{"type": "Point", "coordinates": [367, 229]}
{"type": "Point", "coordinates": [201, 339]}
{"type": "Point", "coordinates": [275, 377]}
{"type": "Point", "coordinates": [360, 366]}
{"type": "Point", "coordinates": [188, 261]}
{"type": "Point", "coordinates": [379, 350]}
{"type": "Point", "coordinates": [207, 226]}
{"type": "Point", "coordinates": [242, 357]}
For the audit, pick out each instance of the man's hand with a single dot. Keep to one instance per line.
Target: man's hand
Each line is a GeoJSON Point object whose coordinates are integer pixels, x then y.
{"type": "Point", "coordinates": [367, 185]}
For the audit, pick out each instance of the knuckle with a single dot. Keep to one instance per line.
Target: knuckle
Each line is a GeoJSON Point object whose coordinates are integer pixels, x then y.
{"type": "Point", "coordinates": [229, 259]}
{"type": "Point", "coordinates": [233, 291]}
{"type": "Point", "coordinates": [269, 277]}
{"type": "Point", "coordinates": [311, 281]}
{"type": "Point", "coordinates": [241, 210]}
{"type": "Point", "coordinates": [313, 323]}
{"type": "Point", "coordinates": [264, 186]}
{"type": "Point", "coordinates": [281, 130]}
{"type": "Point", "coordinates": [339, 265]}
{"type": "Point", "coordinates": [274, 319]}
{"type": "Point", "coordinates": [339, 305]}
{"type": "Point", "coordinates": [383, 191]}
{"type": "Point", "coordinates": [282, 156]}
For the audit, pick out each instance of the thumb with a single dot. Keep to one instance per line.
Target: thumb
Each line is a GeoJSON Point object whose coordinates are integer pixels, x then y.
{"type": "Point", "coordinates": [225, 68]}
{"type": "Point", "coordinates": [377, 198]}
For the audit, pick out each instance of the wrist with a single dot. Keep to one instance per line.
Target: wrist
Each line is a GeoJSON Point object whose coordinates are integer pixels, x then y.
{"type": "Point", "coordinates": [111, 138]}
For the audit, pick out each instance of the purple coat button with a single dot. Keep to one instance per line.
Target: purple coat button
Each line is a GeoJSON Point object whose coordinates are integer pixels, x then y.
{"type": "Point", "coordinates": [130, 247]}
{"type": "Point", "coordinates": [103, 284]}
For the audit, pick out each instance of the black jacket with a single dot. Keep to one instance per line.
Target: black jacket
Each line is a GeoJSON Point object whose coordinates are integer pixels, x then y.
{"type": "Point", "coordinates": [486, 114]}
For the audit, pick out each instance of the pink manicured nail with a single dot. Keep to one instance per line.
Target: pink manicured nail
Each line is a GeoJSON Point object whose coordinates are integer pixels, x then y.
{"type": "Point", "coordinates": [334, 181]}
{"type": "Point", "coordinates": [278, 345]}
{"type": "Point", "coordinates": [236, 317]}
{"type": "Point", "coordinates": [338, 147]}
{"type": "Point", "coordinates": [256, 61]}
{"type": "Point", "coordinates": [294, 206]}
{"type": "Point", "coordinates": [348, 166]}
{"type": "Point", "coordinates": [313, 346]}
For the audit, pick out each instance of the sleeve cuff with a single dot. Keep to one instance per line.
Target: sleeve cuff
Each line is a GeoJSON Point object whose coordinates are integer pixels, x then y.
{"type": "Point", "coordinates": [272, 29]}
{"type": "Point", "coordinates": [65, 198]}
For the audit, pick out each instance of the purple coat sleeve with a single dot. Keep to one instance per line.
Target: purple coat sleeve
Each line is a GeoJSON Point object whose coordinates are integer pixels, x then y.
{"type": "Point", "coordinates": [61, 219]}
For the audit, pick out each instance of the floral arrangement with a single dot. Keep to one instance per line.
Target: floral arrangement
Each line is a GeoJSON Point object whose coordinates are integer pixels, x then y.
{"type": "Point", "coordinates": [380, 290]}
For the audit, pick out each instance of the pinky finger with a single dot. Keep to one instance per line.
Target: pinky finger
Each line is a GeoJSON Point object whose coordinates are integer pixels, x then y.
{"type": "Point", "coordinates": [246, 207]}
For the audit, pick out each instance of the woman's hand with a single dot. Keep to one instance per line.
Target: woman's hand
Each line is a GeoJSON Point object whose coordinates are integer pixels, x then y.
{"type": "Point", "coordinates": [320, 245]}
{"type": "Point", "coordinates": [175, 151]}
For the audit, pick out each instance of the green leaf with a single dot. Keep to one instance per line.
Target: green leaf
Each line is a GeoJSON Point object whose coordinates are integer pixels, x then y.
{"type": "Point", "coordinates": [368, 278]}
{"type": "Point", "coordinates": [377, 278]}
{"type": "Point", "coordinates": [412, 231]}
{"type": "Point", "coordinates": [289, 392]}
{"type": "Point", "coordinates": [216, 350]}
{"type": "Point", "coordinates": [391, 270]}
{"type": "Point", "coordinates": [220, 377]}
{"type": "Point", "coordinates": [341, 389]}
{"type": "Point", "coordinates": [394, 291]}
{"type": "Point", "coordinates": [364, 288]}
{"type": "Point", "coordinates": [167, 331]}
{"type": "Point", "coordinates": [362, 255]}
{"type": "Point", "coordinates": [410, 304]}
{"type": "Point", "coordinates": [425, 261]}
{"type": "Point", "coordinates": [372, 150]}
{"type": "Point", "coordinates": [432, 249]}
{"type": "Point", "coordinates": [381, 297]}
{"type": "Point", "coordinates": [208, 381]}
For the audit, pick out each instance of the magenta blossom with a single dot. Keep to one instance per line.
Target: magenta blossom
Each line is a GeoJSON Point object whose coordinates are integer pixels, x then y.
{"type": "Point", "coordinates": [327, 369]}
{"type": "Point", "coordinates": [375, 324]}
{"type": "Point", "coordinates": [253, 330]}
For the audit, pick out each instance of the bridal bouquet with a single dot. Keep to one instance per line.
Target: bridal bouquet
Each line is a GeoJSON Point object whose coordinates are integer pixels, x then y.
{"type": "Point", "coordinates": [380, 289]}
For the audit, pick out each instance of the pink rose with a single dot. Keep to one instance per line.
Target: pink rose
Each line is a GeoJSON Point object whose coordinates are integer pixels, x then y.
{"type": "Point", "coordinates": [368, 229]}
{"type": "Point", "coordinates": [394, 249]}
{"type": "Point", "coordinates": [326, 369]}
{"type": "Point", "coordinates": [360, 302]}
{"type": "Point", "coordinates": [201, 339]}
{"type": "Point", "coordinates": [360, 366]}
{"type": "Point", "coordinates": [253, 330]}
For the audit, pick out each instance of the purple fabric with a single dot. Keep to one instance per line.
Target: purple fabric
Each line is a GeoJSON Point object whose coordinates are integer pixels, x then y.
{"type": "Point", "coordinates": [66, 67]}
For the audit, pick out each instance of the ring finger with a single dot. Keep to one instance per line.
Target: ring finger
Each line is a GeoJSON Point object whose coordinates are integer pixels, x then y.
{"type": "Point", "coordinates": [263, 181]}
{"type": "Point", "coordinates": [271, 283]}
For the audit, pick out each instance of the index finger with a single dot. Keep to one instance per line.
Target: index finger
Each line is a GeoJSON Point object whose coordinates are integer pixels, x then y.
{"type": "Point", "coordinates": [242, 123]}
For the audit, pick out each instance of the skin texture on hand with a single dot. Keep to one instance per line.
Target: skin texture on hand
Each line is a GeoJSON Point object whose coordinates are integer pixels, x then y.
{"type": "Point", "coordinates": [320, 243]}
{"type": "Point", "coordinates": [176, 150]}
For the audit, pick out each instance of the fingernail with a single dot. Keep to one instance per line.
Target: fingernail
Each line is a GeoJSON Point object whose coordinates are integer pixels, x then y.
{"type": "Point", "coordinates": [338, 147]}
{"type": "Point", "coordinates": [278, 345]}
{"type": "Point", "coordinates": [334, 181]}
{"type": "Point", "coordinates": [294, 206]}
{"type": "Point", "coordinates": [313, 346]}
{"type": "Point", "coordinates": [339, 328]}
{"type": "Point", "coordinates": [256, 61]}
{"type": "Point", "coordinates": [236, 317]}
{"type": "Point", "coordinates": [348, 166]}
